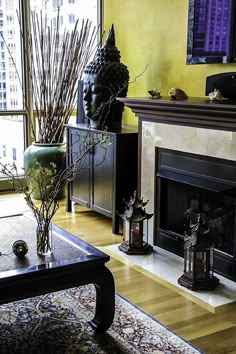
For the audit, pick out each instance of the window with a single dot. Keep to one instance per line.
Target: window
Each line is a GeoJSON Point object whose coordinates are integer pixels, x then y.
{"type": "Point", "coordinates": [10, 4]}
{"type": "Point", "coordinates": [10, 20]}
{"type": "Point", "coordinates": [12, 47]}
{"type": "Point", "coordinates": [71, 18]}
{"type": "Point", "coordinates": [12, 131]}
{"type": "Point", "coordinates": [4, 151]}
{"type": "Point", "coordinates": [60, 21]}
{"type": "Point", "coordinates": [14, 154]}
{"type": "Point", "coordinates": [13, 103]}
{"type": "Point", "coordinates": [13, 75]}
{"type": "Point", "coordinates": [13, 88]}
{"type": "Point", "coordinates": [57, 3]}
{"type": "Point", "coordinates": [10, 34]}
{"type": "Point", "coordinates": [11, 61]}
{"type": "Point", "coordinates": [13, 125]}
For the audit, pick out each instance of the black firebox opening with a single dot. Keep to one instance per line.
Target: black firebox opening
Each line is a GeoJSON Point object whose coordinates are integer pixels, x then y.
{"type": "Point", "coordinates": [184, 177]}
{"type": "Point", "coordinates": [177, 197]}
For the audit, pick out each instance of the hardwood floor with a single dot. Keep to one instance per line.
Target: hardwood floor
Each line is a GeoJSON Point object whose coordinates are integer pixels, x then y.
{"type": "Point", "coordinates": [212, 333]}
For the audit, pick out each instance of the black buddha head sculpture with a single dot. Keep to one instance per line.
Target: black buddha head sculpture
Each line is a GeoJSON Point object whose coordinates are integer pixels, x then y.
{"type": "Point", "coordinates": [104, 79]}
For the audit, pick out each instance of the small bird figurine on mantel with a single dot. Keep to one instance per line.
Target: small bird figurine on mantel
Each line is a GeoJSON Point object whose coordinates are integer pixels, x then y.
{"type": "Point", "coordinates": [154, 93]}
{"type": "Point", "coordinates": [216, 95]}
{"type": "Point", "coordinates": [177, 94]}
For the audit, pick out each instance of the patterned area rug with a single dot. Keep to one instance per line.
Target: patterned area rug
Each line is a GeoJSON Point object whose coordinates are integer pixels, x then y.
{"type": "Point", "coordinates": [58, 323]}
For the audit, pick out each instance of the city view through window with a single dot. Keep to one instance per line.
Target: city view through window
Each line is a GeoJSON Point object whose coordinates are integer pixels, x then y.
{"type": "Point", "coordinates": [12, 117]}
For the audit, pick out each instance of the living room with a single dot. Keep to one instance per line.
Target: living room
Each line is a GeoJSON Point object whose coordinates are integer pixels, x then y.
{"type": "Point", "coordinates": [152, 38]}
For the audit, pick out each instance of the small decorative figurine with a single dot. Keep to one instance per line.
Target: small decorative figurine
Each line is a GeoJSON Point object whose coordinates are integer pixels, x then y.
{"type": "Point", "coordinates": [177, 94]}
{"type": "Point", "coordinates": [154, 93]}
{"type": "Point", "coordinates": [216, 96]}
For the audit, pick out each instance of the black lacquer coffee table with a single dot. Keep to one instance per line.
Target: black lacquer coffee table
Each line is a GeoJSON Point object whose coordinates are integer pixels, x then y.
{"type": "Point", "coordinates": [72, 263]}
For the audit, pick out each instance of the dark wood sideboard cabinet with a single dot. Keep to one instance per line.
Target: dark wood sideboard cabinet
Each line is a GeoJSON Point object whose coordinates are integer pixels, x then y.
{"type": "Point", "coordinates": [107, 174]}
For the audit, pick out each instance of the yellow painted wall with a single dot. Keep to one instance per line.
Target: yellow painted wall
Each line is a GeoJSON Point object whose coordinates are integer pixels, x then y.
{"type": "Point", "coordinates": [154, 33]}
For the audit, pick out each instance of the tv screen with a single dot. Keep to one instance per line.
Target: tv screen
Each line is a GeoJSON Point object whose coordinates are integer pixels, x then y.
{"type": "Point", "coordinates": [211, 32]}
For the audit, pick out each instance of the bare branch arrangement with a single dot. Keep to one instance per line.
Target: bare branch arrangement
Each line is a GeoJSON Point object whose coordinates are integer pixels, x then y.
{"type": "Point", "coordinates": [56, 62]}
{"type": "Point", "coordinates": [49, 183]}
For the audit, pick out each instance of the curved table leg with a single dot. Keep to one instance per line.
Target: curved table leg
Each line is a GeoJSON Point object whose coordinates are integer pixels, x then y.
{"type": "Point", "coordinates": [105, 300]}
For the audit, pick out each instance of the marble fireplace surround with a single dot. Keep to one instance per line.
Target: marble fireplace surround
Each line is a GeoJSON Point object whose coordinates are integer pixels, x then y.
{"type": "Point", "coordinates": [194, 125]}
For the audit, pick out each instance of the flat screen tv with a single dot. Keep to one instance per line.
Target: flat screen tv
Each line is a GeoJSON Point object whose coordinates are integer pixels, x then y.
{"type": "Point", "coordinates": [211, 32]}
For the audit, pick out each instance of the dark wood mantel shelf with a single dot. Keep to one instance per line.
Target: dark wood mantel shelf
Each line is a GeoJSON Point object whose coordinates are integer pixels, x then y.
{"type": "Point", "coordinates": [193, 112]}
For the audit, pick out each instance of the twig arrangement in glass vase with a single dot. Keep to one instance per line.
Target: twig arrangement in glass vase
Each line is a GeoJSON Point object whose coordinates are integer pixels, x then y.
{"type": "Point", "coordinates": [49, 184]}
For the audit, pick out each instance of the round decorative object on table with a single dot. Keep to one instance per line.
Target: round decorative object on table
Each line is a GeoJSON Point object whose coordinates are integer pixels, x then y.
{"type": "Point", "coordinates": [20, 248]}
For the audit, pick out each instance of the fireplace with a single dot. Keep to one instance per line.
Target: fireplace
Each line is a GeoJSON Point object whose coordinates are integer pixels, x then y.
{"type": "Point", "coordinates": [196, 128]}
{"type": "Point", "coordinates": [183, 178]}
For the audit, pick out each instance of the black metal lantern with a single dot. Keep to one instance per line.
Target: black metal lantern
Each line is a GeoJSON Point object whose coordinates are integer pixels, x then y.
{"type": "Point", "coordinates": [135, 221]}
{"type": "Point", "coordinates": [198, 269]}
{"type": "Point", "coordinates": [200, 237]}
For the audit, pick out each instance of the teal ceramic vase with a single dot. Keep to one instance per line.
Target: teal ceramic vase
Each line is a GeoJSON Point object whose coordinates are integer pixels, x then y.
{"type": "Point", "coordinates": [51, 156]}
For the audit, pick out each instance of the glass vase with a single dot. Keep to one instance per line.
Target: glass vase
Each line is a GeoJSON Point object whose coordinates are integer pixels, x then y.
{"type": "Point", "coordinates": [44, 238]}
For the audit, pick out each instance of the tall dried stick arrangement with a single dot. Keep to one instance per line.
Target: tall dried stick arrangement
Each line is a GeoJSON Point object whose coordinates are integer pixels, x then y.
{"type": "Point", "coordinates": [56, 62]}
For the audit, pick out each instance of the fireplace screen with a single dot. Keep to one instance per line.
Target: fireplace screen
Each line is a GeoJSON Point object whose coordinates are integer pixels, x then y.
{"type": "Point", "coordinates": [181, 179]}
